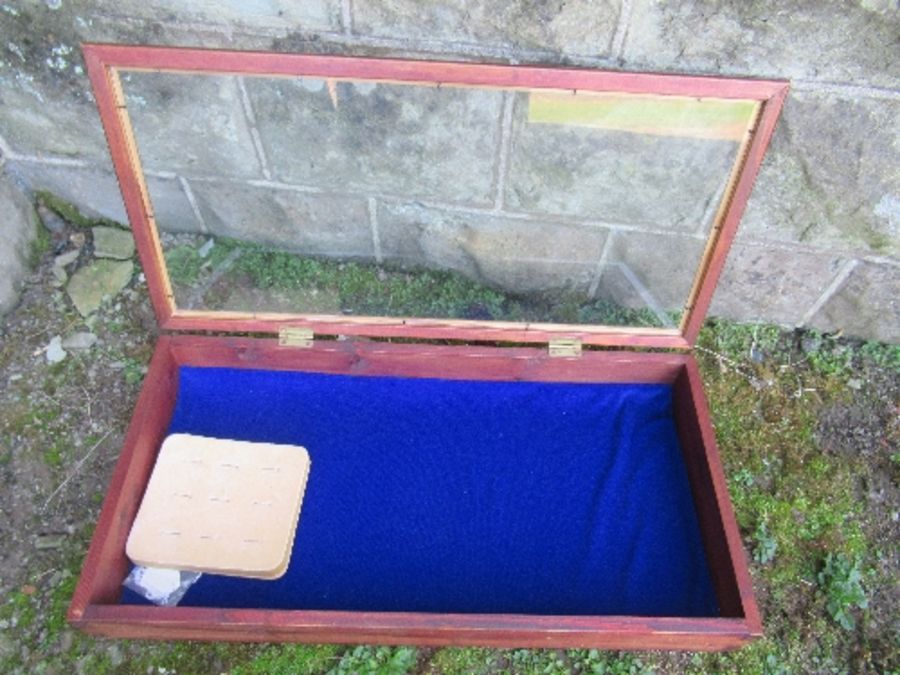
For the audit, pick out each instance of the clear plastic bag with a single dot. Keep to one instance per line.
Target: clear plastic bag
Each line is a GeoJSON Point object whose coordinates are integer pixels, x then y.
{"type": "Point", "coordinates": [159, 585]}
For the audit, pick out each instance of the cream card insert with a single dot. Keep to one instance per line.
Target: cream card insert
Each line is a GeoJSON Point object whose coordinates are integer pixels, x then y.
{"type": "Point", "coordinates": [221, 506]}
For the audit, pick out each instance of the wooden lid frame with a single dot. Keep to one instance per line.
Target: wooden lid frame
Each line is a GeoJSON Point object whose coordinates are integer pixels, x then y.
{"type": "Point", "coordinates": [104, 62]}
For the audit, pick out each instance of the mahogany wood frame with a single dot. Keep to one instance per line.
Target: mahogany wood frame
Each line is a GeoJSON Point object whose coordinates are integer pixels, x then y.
{"type": "Point", "coordinates": [104, 61]}
{"type": "Point", "coordinates": [94, 606]}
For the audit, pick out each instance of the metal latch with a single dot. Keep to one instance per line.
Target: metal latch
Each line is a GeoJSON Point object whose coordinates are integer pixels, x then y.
{"type": "Point", "coordinates": [292, 336]}
{"type": "Point", "coordinates": [565, 348]}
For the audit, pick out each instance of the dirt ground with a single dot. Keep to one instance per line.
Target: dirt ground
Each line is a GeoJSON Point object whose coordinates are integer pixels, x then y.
{"type": "Point", "coordinates": [808, 427]}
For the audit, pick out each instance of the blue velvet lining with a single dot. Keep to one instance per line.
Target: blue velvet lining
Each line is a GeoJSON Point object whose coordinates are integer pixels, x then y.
{"type": "Point", "coordinates": [462, 496]}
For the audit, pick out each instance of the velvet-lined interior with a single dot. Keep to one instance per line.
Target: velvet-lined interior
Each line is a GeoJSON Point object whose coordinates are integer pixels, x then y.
{"type": "Point", "coordinates": [466, 496]}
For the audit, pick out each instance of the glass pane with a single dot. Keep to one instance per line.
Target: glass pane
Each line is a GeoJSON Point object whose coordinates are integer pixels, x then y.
{"type": "Point", "coordinates": [312, 196]}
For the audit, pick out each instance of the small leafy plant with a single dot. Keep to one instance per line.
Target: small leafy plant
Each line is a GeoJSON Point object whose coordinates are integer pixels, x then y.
{"type": "Point", "coordinates": [766, 546]}
{"type": "Point", "coordinates": [841, 580]}
{"type": "Point", "coordinates": [376, 660]}
{"type": "Point", "coordinates": [827, 356]}
{"type": "Point", "coordinates": [743, 477]}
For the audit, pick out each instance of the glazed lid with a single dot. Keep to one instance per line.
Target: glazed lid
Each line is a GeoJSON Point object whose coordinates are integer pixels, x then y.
{"type": "Point", "coordinates": [422, 199]}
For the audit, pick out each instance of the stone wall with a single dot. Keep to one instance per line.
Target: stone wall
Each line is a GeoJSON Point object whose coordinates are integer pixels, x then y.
{"type": "Point", "coordinates": [819, 244]}
{"type": "Point", "coordinates": [17, 231]}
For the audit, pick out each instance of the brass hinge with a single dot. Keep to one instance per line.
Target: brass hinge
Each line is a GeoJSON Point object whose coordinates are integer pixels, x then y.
{"type": "Point", "coordinates": [565, 348]}
{"type": "Point", "coordinates": [291, 336]}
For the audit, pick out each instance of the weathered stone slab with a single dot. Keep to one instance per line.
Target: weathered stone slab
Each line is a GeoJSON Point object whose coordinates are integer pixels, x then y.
{"type": "Point", "coordinates": [619, 284]}
{"type": "Point", "coordinates": [426, 142]}
{"type": "Point", "coordinates": [46, 106]}
{"type": "Point", "coordinates": [66, 258]}
{"type": "Point", "coordinates": [762, 283]}
{"type": "Point", "coordinates": [314, 224]}
{"type": "Point", "coordinates": [832, 176]}
{"type": "Point", "coordinates": [79, 341]}
{"type": "Point", "coordinates": [614, 176]}
{"type": "Point", "coordinates": [96, 193]}
{"type": "Point", "coordinates": [91, 285]}
{"type": "Point", "coordinates": [578, 26]}
{"type": "Point", "coordinates": [190, 124]}
{"type": "Point", "coordinates": [111, 242]}
{"type": "Point", "coordinates": [826, 40]}
{"type": "Point", "coordinates": [867, 305]}
{"type": "Point", "coordinates": [238, 14]}
{"type": "Point", "coordinates": [516, 255]}
{"type": "Point", "coordinates": [35, 122]}
{"type": "Point", "coordinates": [45, 102]}
{"type": "Point", "coordinates": [17, 230]}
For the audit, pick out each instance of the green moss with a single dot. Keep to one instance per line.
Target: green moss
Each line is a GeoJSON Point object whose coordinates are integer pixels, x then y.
{"type": "Point", "coordinates": [40, 245]}
{"type": "Point", "coordinates": [20, 610]}
{"type": "Point", "coordinates": [460, 661]}
{"type": "Point", "coordinates": [70, 213]}
{"type": "Point", "coordinates": [41, 424]}
{"type": "Point", "coordinates": [881, 355]}
{"type": "Point", "coordinates": [60, 597]}
{"type": "Point", "coordinates": [763, 657]}
{"type": "Point", "coordinates": [535, 661]}
{"type": "Point", "coordinates": [796, 504]}
{"type": "Point", "coordinates": [290, 660]}
{"type": "Point", "coordinates": [54, 456]}
{"type": "Point", "coordinates": [189, 657]}
{"type": "Point", "coordinates": [742, 341]}
{"type": "Point", "coordinates": [183, 263]}
{"type": "Point", "coordinates": [611, 663]}
{"type": "Point", "coordinates": [39, 417]}
{"type": "Point", "coordinates": [367, 289]}
{"type": "Point", "coordinates": [186, 266]}
{"type": "Point", "coordinates": [376, 661]}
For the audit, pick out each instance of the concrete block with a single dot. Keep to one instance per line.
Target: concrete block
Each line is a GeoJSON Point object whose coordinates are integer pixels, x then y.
{"type": "Point", "coordinates": [761, 283]}
{"type": "Point", "coordinates": [309, 15]}
{"type": "Point", "coordinates": [46, 105]}
{"type": "Point", "coordinates": [830, 40]}
{"type": "Point", "coordinates": [17, 231]}
{"type": "Point", "coordinates": [618, 284]}
{"type": "Point", "coordinates": [190, 124]}
{"type": "Point", "coordinates": [326, 225]}
{"type": "Point", "coordinates": [832, 176]}
{"type": "Point", "coordinates": [515, 255]}
{"type": "Point", "coordinates": [425, 142]}
{"type": "Point", "coordinates": [96, 193]}
{"type": "Point", "coordinates": [579, 26]}
{"type": "Point", "coordinates": [35, 121]}
{"type": "Point", "coordinates": [655, 271]}
{"type": "Point", "coordinates": [614, 176]}
{"type": "Point", "coordinates": [867, 305]}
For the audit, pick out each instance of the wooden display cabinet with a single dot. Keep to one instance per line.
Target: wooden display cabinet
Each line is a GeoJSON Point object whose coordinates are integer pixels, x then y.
{"type": "Point", "coordinates": [448, 349]}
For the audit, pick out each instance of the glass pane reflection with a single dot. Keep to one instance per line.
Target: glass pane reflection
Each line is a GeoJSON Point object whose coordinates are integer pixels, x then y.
{"type": "Point", "coordinates": [303, 195]}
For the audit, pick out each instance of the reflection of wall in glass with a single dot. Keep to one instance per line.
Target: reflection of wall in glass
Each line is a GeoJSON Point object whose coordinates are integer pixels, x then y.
{"type": "Point", "coordinates": [409, 141]}
{"type": "Point", "coordinates": [536, 206]}
{"type": "Point", "coordinates": [602, 160]}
